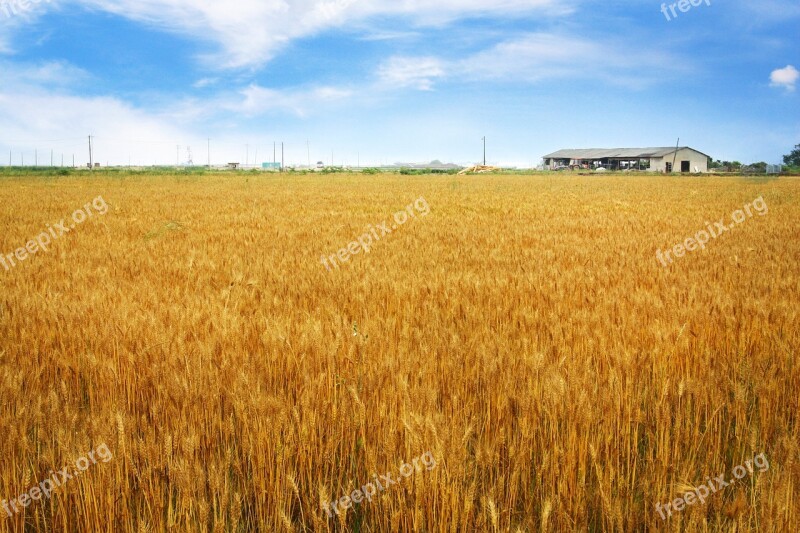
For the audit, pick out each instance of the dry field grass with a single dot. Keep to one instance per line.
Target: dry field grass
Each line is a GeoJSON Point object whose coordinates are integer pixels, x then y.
{"type": "Point", "coordinates": [523, 333]}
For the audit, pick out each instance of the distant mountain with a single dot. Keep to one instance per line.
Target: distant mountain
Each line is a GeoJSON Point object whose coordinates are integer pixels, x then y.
{"type": "Point", "coordinates": [433, 165]}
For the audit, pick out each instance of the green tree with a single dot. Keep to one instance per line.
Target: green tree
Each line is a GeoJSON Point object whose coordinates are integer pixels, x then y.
{"type": "Point", "coordinates": [793, 159]}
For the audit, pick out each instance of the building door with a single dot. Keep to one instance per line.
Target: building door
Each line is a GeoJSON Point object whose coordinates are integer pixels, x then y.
{"type": "Point", "coordinates": [686, 166]}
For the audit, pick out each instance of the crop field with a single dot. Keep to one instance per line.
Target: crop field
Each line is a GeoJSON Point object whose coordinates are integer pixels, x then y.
{"type": "Point", "coordinates": [513, 353]}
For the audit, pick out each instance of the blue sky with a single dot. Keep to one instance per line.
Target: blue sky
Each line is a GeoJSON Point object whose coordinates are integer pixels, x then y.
{"type": "Point", "coordinates": [382, 81]}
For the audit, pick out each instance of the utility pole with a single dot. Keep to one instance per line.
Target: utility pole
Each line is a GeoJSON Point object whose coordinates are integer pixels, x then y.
{"type": "Point", "coordinates": [676, 154]}
{"type": "Point", "coordinates": [484, 151]}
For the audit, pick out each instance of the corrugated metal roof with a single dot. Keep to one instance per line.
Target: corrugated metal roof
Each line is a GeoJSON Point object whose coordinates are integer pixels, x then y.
{"type": "Point", "coordinates": [616, 153]}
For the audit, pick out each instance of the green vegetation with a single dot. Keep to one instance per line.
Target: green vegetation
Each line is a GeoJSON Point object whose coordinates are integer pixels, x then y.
{"type": "Point", "coordinates": [793, 159]}
{"type": "Point", "coordinates": [423, 171]}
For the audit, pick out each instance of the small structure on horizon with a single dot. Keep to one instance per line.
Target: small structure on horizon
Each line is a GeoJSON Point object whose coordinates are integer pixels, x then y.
{"type": "Point", "coordinates": [684, 159]}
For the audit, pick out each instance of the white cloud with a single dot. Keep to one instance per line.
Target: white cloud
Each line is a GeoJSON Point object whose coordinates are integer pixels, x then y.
{"type": "Point", "coordinates": [51, 73]}
{"type": "Point", "coordinates": [205, 82]}
{"type": "Point", "coordinates": [256, 100]}
{"type": "Point", "coordinates": [531, 58]}
{"type": "Point", "coordinates": [371, 34]}
{"type": "Point", "coordinates": [38, 102]}
{"type": "Point", "coordinates": [250, 32]}
{"type": "Point", "coordinates": [767, 11]}
{"type": "Point", "coordinates": [785, 77]}
{"type": "Point", "coordinates": [540, 56]}
{"type": "Point", "coordinates": [415, 72]}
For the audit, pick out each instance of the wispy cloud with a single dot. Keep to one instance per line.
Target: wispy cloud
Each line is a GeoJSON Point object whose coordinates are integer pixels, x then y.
{"type": "Point", "coordinates": [541, 56]}
{"type": "Point", "coordinates": [252, 32]}
{"type": "Point", "coordinates": [765, 11]}
{"type": "Point", "coordinates": [415, 72]}
{"type": "Point", "coordinates": [17, 76]}
{"type": "Point", "coordinates": [531, 58]}
{"type": "Point", "coordinates": [205, 82]}
{"type": "Point", "coordinates": [257, 100]}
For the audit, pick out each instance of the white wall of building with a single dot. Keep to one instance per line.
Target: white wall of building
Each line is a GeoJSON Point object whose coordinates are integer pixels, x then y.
{"type": "Point", "coordinates": [696, 161]}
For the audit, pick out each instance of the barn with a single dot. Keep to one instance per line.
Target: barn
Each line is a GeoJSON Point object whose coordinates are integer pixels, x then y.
{"type": "Point", "coordinates": [684, 159]}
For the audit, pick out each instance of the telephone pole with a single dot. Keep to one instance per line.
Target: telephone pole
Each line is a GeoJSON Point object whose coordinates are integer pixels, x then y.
{"type": "Point", "coordinates": [677, 144]}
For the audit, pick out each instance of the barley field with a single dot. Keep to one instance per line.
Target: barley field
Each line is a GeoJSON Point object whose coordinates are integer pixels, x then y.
{"type": "Point", "coordinates": [519, 345]}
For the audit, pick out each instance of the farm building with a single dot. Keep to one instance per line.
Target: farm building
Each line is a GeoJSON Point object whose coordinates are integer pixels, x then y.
{"type": "Point", "coordinates": [649, 159]}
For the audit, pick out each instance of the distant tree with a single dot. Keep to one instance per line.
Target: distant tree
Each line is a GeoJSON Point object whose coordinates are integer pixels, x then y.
{"type": "Point", "coordinates": [793, 159]}
{"type": "Point", "coordinates": [731, 166]}
{"type": "Point", "coordinates": [759, 167]}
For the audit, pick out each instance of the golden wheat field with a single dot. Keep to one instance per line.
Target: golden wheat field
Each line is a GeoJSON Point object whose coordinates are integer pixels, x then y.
{"type": "Point", "coordinates": [517, 359]}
